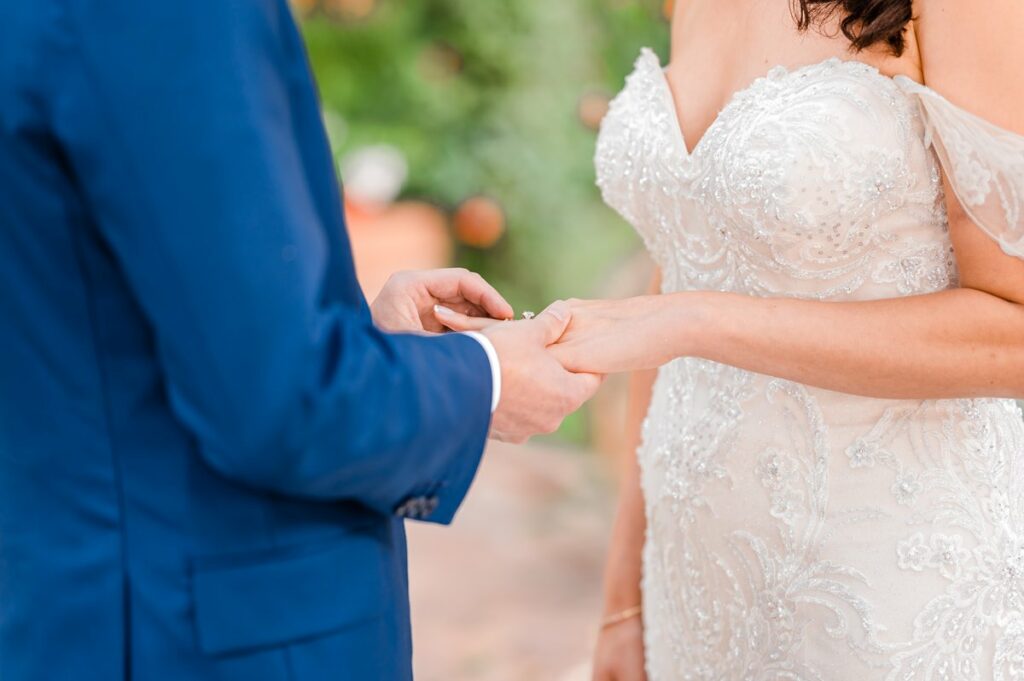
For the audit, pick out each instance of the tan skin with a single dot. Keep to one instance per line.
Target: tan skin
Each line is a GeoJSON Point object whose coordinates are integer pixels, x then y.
{"type": "Point", "coordinates": [537, 391]}
{"type": "Point", "coordinates": [959, 343]}
{"type": "Point", "coordinates": [963, 342]}
{"type": "Point", "coordinates": [619, 654]}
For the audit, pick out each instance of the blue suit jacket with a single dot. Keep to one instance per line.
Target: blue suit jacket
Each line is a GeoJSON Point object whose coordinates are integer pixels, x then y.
{"type": "Point", "coordinates": [203, 439]}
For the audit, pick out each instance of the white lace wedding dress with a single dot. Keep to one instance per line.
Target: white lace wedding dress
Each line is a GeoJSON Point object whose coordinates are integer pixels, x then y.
{"type": "Point", "coordinates": [794, 532]}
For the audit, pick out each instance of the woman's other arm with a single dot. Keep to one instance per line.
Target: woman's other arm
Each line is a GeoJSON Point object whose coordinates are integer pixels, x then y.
{"type": "Point", "coordinates": [620, 648]}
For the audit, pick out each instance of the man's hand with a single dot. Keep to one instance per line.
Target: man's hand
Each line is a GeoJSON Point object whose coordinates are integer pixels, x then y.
{"type": "Point", "coordinates": [537, 393]}
{"type": "Point", "coordinates": [406, 304]}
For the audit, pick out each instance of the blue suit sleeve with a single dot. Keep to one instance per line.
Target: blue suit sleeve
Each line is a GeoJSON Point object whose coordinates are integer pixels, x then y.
{"type": "Point", "coordinates": [193, 129]}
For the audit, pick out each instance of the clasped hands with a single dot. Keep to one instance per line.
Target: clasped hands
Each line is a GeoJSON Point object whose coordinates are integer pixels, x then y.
{"type": "Point", "coordinates": [551, 364]}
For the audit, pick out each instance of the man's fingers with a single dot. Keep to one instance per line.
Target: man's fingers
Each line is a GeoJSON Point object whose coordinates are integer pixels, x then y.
{"type": "Point", "coordinates": [457, 283]}
{"type": "Point", "coordinates": [476, 290]}
{"type": "Point", "coordinates": [563, 354]}
{"type": "Point", "coordinates": [457, 321]}
{"type": "Point", "coordinates": [568, 355]}
{"type": "Point", "coordinates": [553, 321]}
{"type": "Point", "coordinates": [586, 385]}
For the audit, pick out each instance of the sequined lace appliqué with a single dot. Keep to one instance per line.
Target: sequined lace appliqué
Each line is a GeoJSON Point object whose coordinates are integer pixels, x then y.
{"type": "Point", "coordinates": [796, 533]}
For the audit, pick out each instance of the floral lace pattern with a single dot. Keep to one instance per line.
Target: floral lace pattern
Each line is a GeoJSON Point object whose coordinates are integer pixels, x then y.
{"type": "Point", "coordinates": [985, 165]}
{"type": "Point", "coordinates": [796, 533]}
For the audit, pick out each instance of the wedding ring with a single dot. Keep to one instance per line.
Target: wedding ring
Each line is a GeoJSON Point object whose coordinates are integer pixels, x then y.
{"type": "Point", "coordinates": [528, 315]}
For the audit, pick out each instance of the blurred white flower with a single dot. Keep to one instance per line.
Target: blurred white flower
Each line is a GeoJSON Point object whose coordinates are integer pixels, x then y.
{"type": "Point", "coordinates": [374, 175]}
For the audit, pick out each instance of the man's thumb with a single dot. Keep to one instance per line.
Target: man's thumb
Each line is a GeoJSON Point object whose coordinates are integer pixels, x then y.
{"type": "Point", "coordinates": [554, 321]}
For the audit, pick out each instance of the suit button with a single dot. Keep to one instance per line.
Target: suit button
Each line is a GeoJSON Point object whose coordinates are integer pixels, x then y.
{"type": "Point", "coordinates": [414, 508]}
{"type": "Point", "coordinates": [430, 505]}
{"type": "Point", "coordinates": [403, 509]}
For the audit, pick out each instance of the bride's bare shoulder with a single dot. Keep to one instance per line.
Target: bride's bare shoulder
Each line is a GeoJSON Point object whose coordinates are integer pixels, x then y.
{"type": "Point", "coordinates": [972, 54]}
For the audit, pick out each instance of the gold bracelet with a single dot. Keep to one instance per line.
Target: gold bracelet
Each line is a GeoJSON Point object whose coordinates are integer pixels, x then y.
{"type": "Point", "coordinates": [622, 616]}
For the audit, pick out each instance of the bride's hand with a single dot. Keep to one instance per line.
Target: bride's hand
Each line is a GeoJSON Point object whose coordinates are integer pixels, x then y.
{"type": "Point", "coordinates": [611, 336]}
{"type": "Point", "coordinates": [620, 653]}
{"type": "Point", "coordinates": [452, 320]}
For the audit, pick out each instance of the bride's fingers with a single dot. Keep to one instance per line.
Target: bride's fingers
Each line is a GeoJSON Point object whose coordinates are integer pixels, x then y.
{"type": "Point", "coordinates": [469, 309]}
{"type": "Point", "coordinates": [463, 307]}
{"type": "Point", "coordinates": [457, 321]}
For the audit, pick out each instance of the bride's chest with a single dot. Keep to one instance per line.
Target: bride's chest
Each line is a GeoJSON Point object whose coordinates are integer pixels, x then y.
{"type": "Point", "coordinates": [818, 172]}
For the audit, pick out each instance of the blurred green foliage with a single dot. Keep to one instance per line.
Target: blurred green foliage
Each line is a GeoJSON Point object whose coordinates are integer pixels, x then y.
{"type": "Point", "coordinates": [482, 97]}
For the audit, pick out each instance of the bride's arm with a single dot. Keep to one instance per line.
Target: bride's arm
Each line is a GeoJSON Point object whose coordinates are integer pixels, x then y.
{"type": "Point", "coordinates": [958, 343]}
{"type": "Point", "coordinates": [620, 647]}
{"type": "Point", "coordinates": [620, 652]}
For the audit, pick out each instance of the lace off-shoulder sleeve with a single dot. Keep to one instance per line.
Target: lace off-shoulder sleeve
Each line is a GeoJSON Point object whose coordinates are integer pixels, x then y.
{"type": "Point", "coordinates": [983, 162]}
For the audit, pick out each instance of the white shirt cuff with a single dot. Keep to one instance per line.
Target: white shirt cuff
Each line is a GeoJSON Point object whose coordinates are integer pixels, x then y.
{"type": "Point", "coordinates": [492, 357]}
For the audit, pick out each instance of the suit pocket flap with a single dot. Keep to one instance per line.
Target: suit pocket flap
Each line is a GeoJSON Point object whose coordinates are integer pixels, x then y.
{"type": "Point", "coordinates": [252, 602]}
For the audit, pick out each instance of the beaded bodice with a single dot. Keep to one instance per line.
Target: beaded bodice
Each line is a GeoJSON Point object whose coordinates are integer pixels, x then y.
{"type": "Point", "coordinates": [797, 533]}
{"type": "Point", "coordinates": [813, 183]}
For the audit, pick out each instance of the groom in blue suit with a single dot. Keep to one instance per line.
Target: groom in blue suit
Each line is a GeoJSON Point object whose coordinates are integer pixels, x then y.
{"type": "Point", "coordinates": [207, 446]}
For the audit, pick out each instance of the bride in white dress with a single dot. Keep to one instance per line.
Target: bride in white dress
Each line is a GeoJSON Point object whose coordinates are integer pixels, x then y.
{"type": "Point", "coordinates": [832, 475]}
{"type": "Point", "coordinates": [832, 487]}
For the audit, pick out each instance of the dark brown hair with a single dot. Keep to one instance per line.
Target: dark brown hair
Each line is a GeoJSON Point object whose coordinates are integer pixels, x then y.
{"type": "Point", "coordinates": [865, 22]}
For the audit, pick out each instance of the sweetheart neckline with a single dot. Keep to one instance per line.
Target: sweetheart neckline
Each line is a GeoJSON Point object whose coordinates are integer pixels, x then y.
{"type": "Point", "coordinates": [777, 71]}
